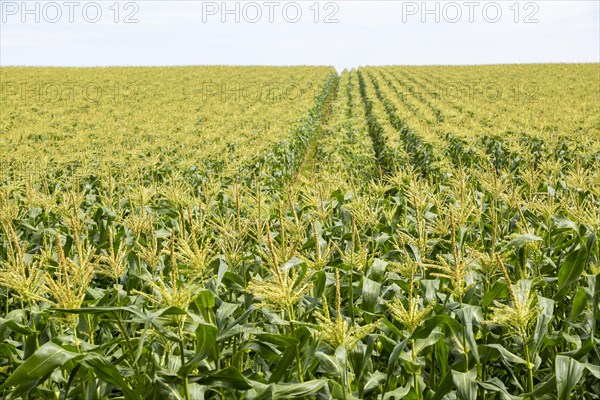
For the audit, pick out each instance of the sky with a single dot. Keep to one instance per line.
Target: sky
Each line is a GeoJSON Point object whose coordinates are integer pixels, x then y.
{"type": "Point", "coordinates": [344, 34]}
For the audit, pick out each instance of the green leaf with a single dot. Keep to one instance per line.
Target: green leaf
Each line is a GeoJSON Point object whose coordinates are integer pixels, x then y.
{"type": "Point", "coordinates": [571, 269]}
{"type": "Point", "coordinates": [222, 269]}
{"type": "Point", "coordinates": [431, 323]}
{"type": "Point", "coordinates": [433, 338]}
{"type": "Point", "coordinates": [197, 391]}
{"type": "Point", "coordinates": [319, 283]}
{"type": "Point", "coordinates": [224, 312]}
{"type": "Point", "coordinates": [373, 382]}
{"type": "Point", "coordinates": [522, 240]}
{"type": "Point", "coordinates": [469, 315]}
{"type": "Point", "coordinates": [594, 369]}
{"type": "Point", "coordinates": [291, 263]}
{"type": "Point", "coordinates": [106, 371]}
{"type": "Point", "coordinates": [394, 357]}
{"type": "Point", "coordinates": [568, 373]}
{"type": "Point", "coordinates": [284, 363]}
{"type": "Point", "coordinates": [206, 346]}
{"type": "Point", "coordinates": [432, 288]}
{"type": "Point", "coordinates": [152, 319]}
{"type": "Point", "coordinates": [506, 355]}
{"type": "Point", "coordinates": [445, 386]}
{"type": "Point", "coordinates": [206, 299]}
{"type": "Point", "coordinates": [161, 390]}
{"type": "Point", "coordinates": [499, 290]}
{"type": "Point", "coordinates": [370, 293]}
{"type": "Point", "coordinates": [578, 304]}
{"type": "Point", "coordinates": [277, 339]}
{"type": "Point", "coordinates": [206, 339]}
{"type": "Point", "coordinates": [441, 349]}
{"type": "Point", "coordinates": [360, 356]}
{"type": "Point", "coordinates": [342, 359]}
{"type": "Point", "coordinates": [329, 364]}
{"type": "Point", "coordinates": [377, 269]}
{"type": "Point", "coordinates": [496, 385]}
{"type": "Point", "coordinates": [14, 326]}
{"type": "Point", "coordinates": [228, 377]}
{"type": "Point", "coordinates": [391, 326]}
{"type": "Point", "coordinates": [466, 384]}
{"type": "Point", "coordinates": [542, 322]}
{"type": "Point", "coordinates": [264, 350]}
{"type": "Point", "coordinates": [409, 364]}
{"type": "Point", "coordinates": [292, 390]}
{"type": "Point", "coordinates": [298, 390]}
{"type": "Point", "coordinates": [45, 360]}
{"type": "Point", "coordinates": [546, 387]}
{"type": "Point", "coordinates": [563, 223]}
{"type": "Point", "coordinates": [398, 393]}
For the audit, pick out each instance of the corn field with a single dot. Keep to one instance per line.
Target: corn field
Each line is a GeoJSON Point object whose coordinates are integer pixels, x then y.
{"type": "Point", "coordinates": [384, 233]}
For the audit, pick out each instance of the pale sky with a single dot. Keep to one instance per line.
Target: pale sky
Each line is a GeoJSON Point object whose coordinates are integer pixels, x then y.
{"type": "Point", "coordinates": [357, 33]}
